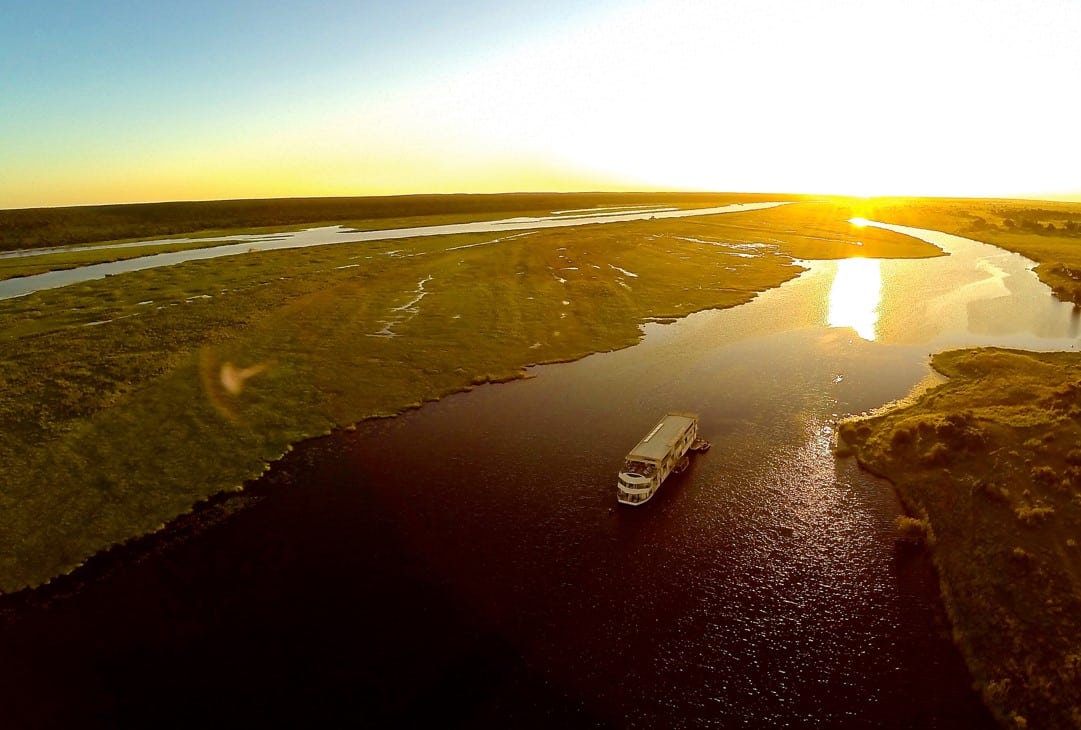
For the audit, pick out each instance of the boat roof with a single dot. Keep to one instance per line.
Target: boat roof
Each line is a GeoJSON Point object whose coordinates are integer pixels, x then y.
{"type": "Point", "coordinates": [660, 440]}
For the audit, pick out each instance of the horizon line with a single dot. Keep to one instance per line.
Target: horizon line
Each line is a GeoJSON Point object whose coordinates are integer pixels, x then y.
{"type": "Point", "coordinates": [1035, 197]}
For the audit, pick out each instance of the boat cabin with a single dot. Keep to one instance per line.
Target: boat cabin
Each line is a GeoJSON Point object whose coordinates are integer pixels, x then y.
{"type": "Point", "coordinates": [655, 456]}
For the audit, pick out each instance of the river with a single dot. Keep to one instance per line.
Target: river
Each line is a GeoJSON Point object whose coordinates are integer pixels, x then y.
{"type": "Point", "coordinates": [320, 236]}
{"type": "Point", "coordinates": [420, 571]}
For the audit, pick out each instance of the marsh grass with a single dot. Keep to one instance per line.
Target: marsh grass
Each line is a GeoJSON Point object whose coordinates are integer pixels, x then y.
{"type": "Point", "coordinates": [16, 266]}
{"type": "Point", "coordinates": [85, 254]}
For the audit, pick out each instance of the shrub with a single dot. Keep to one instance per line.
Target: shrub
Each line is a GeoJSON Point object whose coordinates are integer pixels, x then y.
{"type": "Point", "coordinates": [847, 431]}
{"type": "Point", "coordinates": [1032, 515]}
{"type": "Point", "coordinates": [1072, 666]}
{"type": "Point", "coordinates": [1021, 555]}
{"type": "Point", "coordinates": [996, 691]}
{"type": "Point", "coordinates": [949, 430]}
{"type": "Point", "coordinates": [1073, 474]}
{"type": "Point", "coordinates": [901, 438]}
{"type": "Point", "coordinates": [975, 440]}
{"type": "Point", "coordinates": [993, 492]}
{"type": "Point", "coordinates": [912, 530]}
{"type": "Point", "coordinates": [937, 455]}
{"type": "Point", "coordinates": [1044, 475]}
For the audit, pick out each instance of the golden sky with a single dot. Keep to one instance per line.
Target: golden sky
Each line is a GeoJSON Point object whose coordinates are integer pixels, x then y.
{"type": "Point", "coordinates": [130, 103]}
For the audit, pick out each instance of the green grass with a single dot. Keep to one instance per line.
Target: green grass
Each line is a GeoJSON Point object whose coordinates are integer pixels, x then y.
{"type": "Point", "coordinates": [113, 429]}
{"type": "Point", "coordinates": [990, 461]}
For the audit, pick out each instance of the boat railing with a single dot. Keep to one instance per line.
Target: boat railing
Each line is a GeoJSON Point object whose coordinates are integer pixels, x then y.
{"type": "Point", "coordinates": [639, 468]}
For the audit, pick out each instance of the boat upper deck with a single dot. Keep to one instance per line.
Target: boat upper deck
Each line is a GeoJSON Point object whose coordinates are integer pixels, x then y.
{"type": "Point", "coordinates": [659, 441]}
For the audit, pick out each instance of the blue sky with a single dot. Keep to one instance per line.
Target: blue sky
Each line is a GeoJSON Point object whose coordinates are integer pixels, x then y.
{"type": "Point", "coordinates": [125, 101]}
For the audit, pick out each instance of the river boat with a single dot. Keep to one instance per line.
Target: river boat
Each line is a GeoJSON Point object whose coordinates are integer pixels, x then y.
{"type": "Point", "coordinates": [656, 456]}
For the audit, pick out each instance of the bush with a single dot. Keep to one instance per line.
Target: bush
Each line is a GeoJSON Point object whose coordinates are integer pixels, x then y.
{"type": "Point", "coordinates": [847, 431]}
{"type": "Point", "coordinates": [901, 438]}
{"type": "Point", "coordinates": [1022, 557]}
{"type": "Point", "coordinates": [994, 492]}
{"type": "Point", "coordinates": [1032, 515]}
{"type": "Point", "coordinates": [1072, 666]}
{"type": "Point", "coordinates": [996, 691]}
{"type": "Point", "coordinates": [949, 431]}
{"type": "Point", "coordinates": [912, 530]}
{"type": "Point", "coordinates": [975, 440]}
{"type": "Point", "coordinates": [937, 455]}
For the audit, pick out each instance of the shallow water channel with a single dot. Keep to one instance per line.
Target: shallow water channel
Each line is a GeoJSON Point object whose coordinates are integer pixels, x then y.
{"type": "Point", "coordinates": [321, 236]}
{"type": "Point", "coordinates": [463, 563]}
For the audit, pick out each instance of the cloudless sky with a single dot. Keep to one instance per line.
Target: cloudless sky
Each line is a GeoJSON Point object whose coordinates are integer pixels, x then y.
{"type": "Point", "coordinates": [136, 101]}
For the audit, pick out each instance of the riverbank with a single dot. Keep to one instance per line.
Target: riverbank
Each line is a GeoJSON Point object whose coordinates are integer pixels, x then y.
{"type": "Point", "coordinates": [989, 465]}
{"type": "Point", "coordinates": [169, 385]}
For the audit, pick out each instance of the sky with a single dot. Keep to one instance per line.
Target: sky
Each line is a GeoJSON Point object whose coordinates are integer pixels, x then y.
{"type": "Point", "coordinates": [117, 101]}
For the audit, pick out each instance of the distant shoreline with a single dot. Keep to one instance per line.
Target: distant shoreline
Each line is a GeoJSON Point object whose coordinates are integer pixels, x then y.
{"type": "Point", "coordinates": [36, 227]}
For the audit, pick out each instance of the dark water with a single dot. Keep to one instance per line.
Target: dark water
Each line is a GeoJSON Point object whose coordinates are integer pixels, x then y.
{"type": "Point", "coordinates": [463, 564]}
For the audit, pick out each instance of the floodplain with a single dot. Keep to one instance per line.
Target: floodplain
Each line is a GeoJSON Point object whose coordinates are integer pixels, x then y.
{"type": "Point", "coordinates": [171, 385]}
{"type": "Point", "coordinates": [139, 418]}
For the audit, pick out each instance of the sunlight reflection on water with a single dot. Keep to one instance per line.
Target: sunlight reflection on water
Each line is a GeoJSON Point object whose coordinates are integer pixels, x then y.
{"type": "Point", "coordinates": [855, 295]}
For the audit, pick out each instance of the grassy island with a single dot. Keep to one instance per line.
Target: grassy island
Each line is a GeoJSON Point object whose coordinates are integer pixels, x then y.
{"type": "Point", "coordinates": [989, 466]}
{"type": "Point", "coordinates": [125, 401]}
